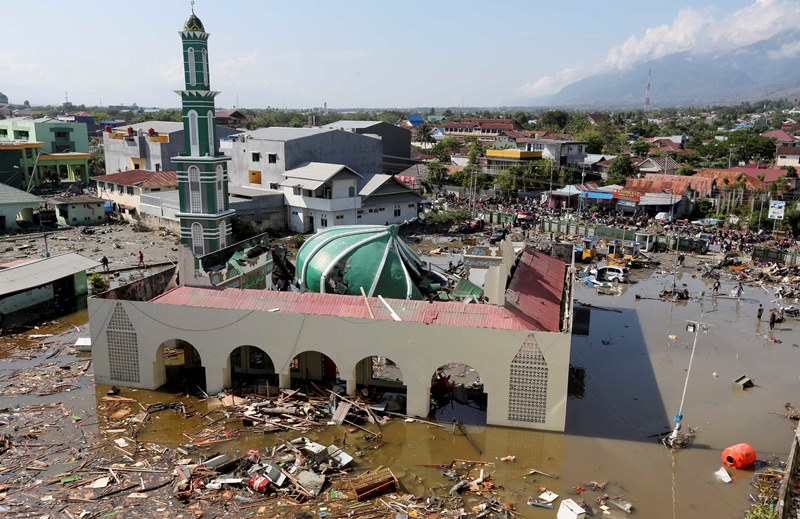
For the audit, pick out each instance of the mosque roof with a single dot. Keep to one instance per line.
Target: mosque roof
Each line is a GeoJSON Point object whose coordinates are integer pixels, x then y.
{"type": "Point", "coordinates": [193, 23]}
{"type": "Point", "coordinates": [345, 259]}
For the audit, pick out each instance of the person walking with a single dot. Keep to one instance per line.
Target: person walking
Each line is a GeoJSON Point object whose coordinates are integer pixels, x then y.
{"type": "Point", "coordinates": [772, 318]}
{"type": "Point", "coordinates": [715, 289]}
{"type": "Point", "coordinates": [141, 259]}
{"type": "Point", "coordinates": [760, 311]}
{"type": "Point", "coordinates": [739, 290]}
{"type": "Point", "coordinates": [104, 262]}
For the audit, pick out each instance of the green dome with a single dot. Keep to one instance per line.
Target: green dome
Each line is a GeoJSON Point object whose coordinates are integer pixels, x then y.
{"type": "Point", "coordinates": [344, 259]}
{"type": "Point", "coordinates": [3, 99]}
{"type": "Point", "coordinates": [193, 23]}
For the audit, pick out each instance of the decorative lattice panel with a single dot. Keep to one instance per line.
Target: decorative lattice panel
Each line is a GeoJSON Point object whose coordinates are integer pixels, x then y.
{"type": "Point", "coordinates": [527, 396]}
{"type": "Point", "coordinates": [123, 348]}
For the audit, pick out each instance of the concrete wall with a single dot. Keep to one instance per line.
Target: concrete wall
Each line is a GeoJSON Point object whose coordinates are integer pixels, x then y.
{"type": "Point", "coordinates": [418, 350]}
{"type": "Point", "coordinates": [11, 211]}
{"type": "Point", "coordinates": [361, 153]}
{"type": "Point", "coordinates": [87, 213]}
{"type": "Point", "coordinates": [265, 212]}
{"type": "Point", "coordinates": [242, 163]}
{"type": "Point", "coordinates": [143, 289]}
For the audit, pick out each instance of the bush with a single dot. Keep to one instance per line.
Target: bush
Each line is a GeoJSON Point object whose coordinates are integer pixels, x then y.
{"type": "Point", "coordinates": [98, 282]}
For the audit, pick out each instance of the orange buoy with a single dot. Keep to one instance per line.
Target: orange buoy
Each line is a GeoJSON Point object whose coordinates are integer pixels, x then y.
{"type": "Point", "coordinates": [739, 456]}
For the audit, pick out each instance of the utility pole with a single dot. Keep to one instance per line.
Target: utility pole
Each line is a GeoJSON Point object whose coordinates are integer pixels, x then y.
{"type": "Point", "coordinates": [691, 327]}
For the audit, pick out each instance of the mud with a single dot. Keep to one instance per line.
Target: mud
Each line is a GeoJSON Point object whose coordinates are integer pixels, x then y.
{"type": "Point", "coordinates": [634, 376]}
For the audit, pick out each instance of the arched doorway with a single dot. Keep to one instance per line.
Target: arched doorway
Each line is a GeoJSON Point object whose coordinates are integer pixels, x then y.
{"type": "Point", "coordinates": [382, 379]}
{"type": "Point", "coordinates": [457, 393]}
{"type": "Point", "coordinates": [181, 366]}
{"type": "Point", "coordinates": [252, 370]}
{"type": "Point", "coordinates": [316, 367]}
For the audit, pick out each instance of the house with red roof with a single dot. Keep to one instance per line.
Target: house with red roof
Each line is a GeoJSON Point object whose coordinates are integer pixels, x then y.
{"type": "Point", "coordinates": [484, 129]}
{"type": "Point", "coordinates": [788, 156]}
{"type": "Point", "coordinates": [782, 137]}
{"type": "Point", "coordinates": [125, 189]}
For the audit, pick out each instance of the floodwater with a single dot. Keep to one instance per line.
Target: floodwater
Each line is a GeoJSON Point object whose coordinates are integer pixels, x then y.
{"type": "Point", "coordinates": [634, 376]}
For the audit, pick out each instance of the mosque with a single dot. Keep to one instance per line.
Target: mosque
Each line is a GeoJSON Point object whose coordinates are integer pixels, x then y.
{"type": "Point", "coordinates": [361, 293]}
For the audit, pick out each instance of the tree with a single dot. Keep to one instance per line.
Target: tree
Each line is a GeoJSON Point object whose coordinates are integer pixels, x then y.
{"type": "Point", "coordinates": [98, 282]}
{"type": "Point", "coordinates": [747, 146]}
{"type": "Point", "coordinates": [791, 172]}
{"type": "Point", "coordinates": [640, 148]}
{"type": "Point", "coordinates": [594, 141]}
{"type": "Point", "coordinates": [424, 136]}
{"type": "Point", "coordinates": [436, 172]}
{"type": "Point", "coordinates": [703, 207]}
{"type": "Point", "coordinates": [97, 163]}
{"type": "Point", "coordinates": [620, 170]}
{"type": "Point", "coordinates": [507, 180]}
{"type": "Point", "coordinates": [555, 119]}
{"type": "Point", "coordinates": [685, 171]}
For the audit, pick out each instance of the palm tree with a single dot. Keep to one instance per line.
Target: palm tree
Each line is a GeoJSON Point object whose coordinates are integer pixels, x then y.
{"type": "Point", "coordinates": [424, 136]}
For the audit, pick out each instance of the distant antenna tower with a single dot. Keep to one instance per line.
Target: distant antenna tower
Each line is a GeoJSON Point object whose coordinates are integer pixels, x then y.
{"type": "Point", "coordinates": [66, 97]}
{"type": "Point", "coordinates": [647, 93]}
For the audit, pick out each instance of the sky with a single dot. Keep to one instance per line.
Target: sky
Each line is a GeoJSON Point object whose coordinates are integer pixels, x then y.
{"type": "Point", "coordinates": [358, 53]}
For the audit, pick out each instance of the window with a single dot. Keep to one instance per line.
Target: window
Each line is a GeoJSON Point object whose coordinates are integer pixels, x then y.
{"type": "Point", "coordinates": [204, 59]}
{"type": "Point", "coordinates": [197, 239]}
{"type": "Point", "coordinates": [254, 176]}
{"type": "Point", "coordinates": [28, 153]}
{"type": "Point", "coordinates": [61, 135]}
{"type": "Point", "coordinates": [351, 191]}
{"type": "Point", "coordinates": [220, 189]}
{"type": "Point", "coordinates": [297, 191]}
{"type": "Point", "coordinates": [273, 185]}
{"type": "Point", "coordinates": [223, 234]}
{"type": "Point", "coordinates": [397, 212]}
{"type": "Point", "coordinates": [411, 206]}
{"type": "Point", "coordinates": [158, 167]}
{"type": "Point", "coordinates": [21, 135]}
{"type": "Point", "coordinates": [211, 141]}
{"type": "Point", "coordinates": [120, 189]}
{"type": "Point", "coordinates": [192, 70]}
{"type": "Point", "coordinates": [340, 217]}
{"type": "Point", "coordinates": [273, 158]}
{"type": "Point", "coordinates": [3, 133]}
{"type": "Point", "coordinates": [323, 221]}
{"type": "Point", "coordinates": [129, 190]}
{"type": "Point", "coordinates": [136, 166]}
{"type": "Point", "coordinates": [256, 156]}
{"type": "Point", "coordinates": [194, 137]}
{"type": "Point", "coordinates": [195, 196]}
{"type": "Point", "coordinates": [101, 185]}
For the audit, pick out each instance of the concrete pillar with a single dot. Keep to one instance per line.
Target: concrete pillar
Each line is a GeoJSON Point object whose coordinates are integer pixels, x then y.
{"type": "Point", "coordinates": [285, 380]}
{"type": "Point", "coordinates": [418, 400]}
{"type": "Point", "coordinates": [351, 386]}
{"type": "Point", "coordinates": [215, 380]}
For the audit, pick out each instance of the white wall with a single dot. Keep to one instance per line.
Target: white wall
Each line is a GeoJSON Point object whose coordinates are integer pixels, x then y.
{"type": "Point", "coordinates": [417, 348]}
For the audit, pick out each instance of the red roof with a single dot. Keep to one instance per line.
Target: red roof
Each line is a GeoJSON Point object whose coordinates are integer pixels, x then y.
{"type": "Point", "coordinates": [770, 174]}
{"type": "Point", "coordinates": [779, 135]}
{"type": "Point", "coordinates": [533, 302]}
{"type": "Point", "coordinates": [536, 290]}
{"type": "Point", "coordinates": [789, 150]}
{"type": "Point", "coordinates": [678, 185]}
{"type": "Point", "coordinates": [141, 177]}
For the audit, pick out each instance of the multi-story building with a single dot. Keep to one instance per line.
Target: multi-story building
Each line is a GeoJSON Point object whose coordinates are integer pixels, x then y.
{"type": "Point", "coordinates": [396, 141]}
{"type": "Point", "coordinates": [52, 150]}
{"type": "Point", "coordinates": [149, 145]}
{"type": "Point", "coordinates": [485, 130]}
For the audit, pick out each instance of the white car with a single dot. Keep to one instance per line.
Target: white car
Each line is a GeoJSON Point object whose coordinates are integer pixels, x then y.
{"type": "Point", "coordinates": [611, 273]}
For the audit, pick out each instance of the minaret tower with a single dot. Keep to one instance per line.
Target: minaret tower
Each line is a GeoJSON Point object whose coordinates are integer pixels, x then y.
{"type": "Point", "coordinates": [202, 170]}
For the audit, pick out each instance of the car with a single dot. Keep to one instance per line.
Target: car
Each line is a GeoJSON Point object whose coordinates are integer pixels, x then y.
{"type": "Point", "coordinates": [611, 273]}
{"type": "Point", "coordinates": [664, 217]}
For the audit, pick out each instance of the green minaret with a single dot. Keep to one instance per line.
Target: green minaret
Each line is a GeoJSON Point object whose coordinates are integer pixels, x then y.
{"type": "Point", "coordinates": [202, 169]}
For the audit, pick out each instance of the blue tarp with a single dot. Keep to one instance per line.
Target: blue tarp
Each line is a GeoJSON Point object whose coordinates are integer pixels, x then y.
{"type": "Point", "coordinates": [600, 195]}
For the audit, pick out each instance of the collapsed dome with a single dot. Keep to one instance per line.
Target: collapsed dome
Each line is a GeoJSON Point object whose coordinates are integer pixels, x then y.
{"type": "Point", "coordinates": [345, 259]}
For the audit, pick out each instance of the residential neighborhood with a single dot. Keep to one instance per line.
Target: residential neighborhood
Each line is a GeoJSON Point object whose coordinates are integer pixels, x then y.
{"type": "Point", "coordinates": [381, 287]}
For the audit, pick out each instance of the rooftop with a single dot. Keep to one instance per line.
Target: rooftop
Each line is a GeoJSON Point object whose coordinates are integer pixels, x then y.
{"type": "Point", "coordinates": [351, 124]}
{"type": "Point", "coordinates": [39, 272]}
{"type": "Point", "coordinates": [285, 134]}
{"type": "Point", "coordinates": [140, 177]}
{"type": "Point", "coordinates": [12, 195]}
{"type": "Point", "coordinates": [158, 126]}
{"type": "Point", "coordinates": [533, 302]}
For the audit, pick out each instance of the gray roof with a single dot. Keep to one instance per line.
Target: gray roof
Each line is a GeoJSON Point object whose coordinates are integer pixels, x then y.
{"type": "Point", "coordinates": [285, 134]}
{"type": "Point", "coordinates": [12, 195]}
{"type": "Point", "coordinates": [659, 199]}
{"type": "Point", "coordinates": [158, 126]}
{"type": "Point", "coordinates": [323, 171]}
{"type": "Point", "coordinates": [42, 271]}
{"type": "Point", "coordinates": [349, 125]}
{"type": "Point", "coordinates": [387, 185]}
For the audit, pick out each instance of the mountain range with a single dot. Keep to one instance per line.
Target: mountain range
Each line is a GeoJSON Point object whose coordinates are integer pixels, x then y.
{"type": "Point", "coordinates": [766, 69]}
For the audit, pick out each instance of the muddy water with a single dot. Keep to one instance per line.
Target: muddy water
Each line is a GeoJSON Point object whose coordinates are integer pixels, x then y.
{"type": "Point", "coordinates": [632, 388]}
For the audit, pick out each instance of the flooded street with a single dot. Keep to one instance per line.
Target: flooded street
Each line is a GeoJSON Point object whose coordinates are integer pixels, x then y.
{"type": "Point", "coordinates": [634, 363]}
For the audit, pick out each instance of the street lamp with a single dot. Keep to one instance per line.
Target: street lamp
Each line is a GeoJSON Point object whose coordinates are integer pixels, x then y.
{"type": "Point", "coordinates": [674, 440]}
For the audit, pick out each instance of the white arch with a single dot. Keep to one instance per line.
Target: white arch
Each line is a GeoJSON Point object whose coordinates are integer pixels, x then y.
{"type": "Point", "coordinates": [198, 247]}
{"type": "Point", "coordinates": [220, 189]}
{"type": "Point", "coordinates": [211, 143]}
{"type": "Point", "coordinates": [192, 66]}
{"type": "Point", "coordinates": [204, 58]}
{"type": "Point", "coordinates": [195, 193]}
{"type": "Point", "coordinates": [194, 138]}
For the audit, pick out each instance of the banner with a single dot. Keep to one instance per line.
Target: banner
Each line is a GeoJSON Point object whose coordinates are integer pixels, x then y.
{"type": "Point", "coordinates": [623, 194]}
{"type": "Point", "coordinates": [776, 208]}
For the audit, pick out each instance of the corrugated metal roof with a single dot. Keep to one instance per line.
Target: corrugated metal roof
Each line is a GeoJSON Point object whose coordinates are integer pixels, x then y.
{"type": "Point", "coordinates": [536, 290]}
{"type": "Point", "coordinates": [353, 307]}
{"type": "Point", "coordinates": [340, 125]}
{"type": "Point", "coordinates": [43, 271]}
{"type": "Point", "coordinates": [321, 171]}
{"type": "Point", "coordinates": [140, 177]}
{"type": "Point", "coordinates": [277, 133]}
{"type": "Point", "coordinates": [12, 195]}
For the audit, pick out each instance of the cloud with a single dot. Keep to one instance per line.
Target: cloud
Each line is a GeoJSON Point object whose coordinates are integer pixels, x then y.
{"type": "Point", "coordinates": [696, 31]}
{"type": "Point", "coordinates": [693, 30]}
{"type": "Point", "coordinates": [787, 50]}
